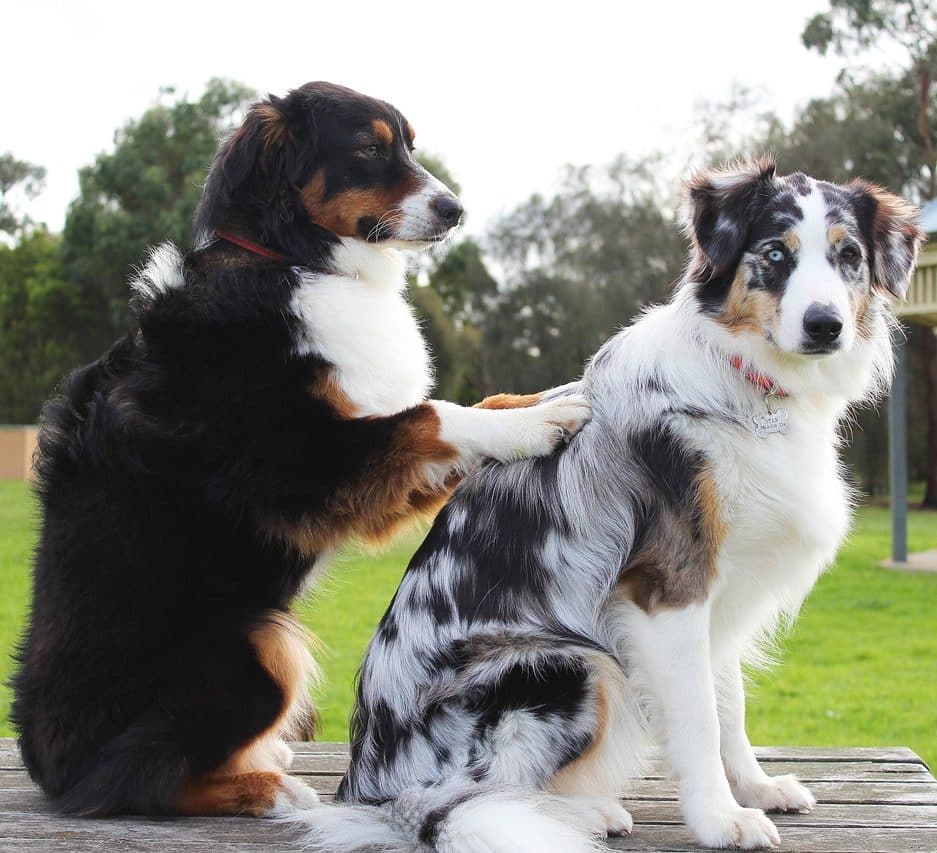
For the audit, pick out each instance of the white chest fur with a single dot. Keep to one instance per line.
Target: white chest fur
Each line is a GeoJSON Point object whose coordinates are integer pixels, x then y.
{"type": "Point", "coordinates": [787, 512]}
{"type": "Point", "coordinates": [360, 321]}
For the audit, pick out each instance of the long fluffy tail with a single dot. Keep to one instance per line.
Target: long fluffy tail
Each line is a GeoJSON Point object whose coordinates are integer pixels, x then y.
{"type": "Point", "coordinates": [459, 817]}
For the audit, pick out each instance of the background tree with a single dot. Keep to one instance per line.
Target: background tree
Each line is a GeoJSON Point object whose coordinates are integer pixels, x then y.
{"type": "Point", "coordinates": [17, 176]}
{"type": "Point", "coordinates": [853, 27]}
{"type": "Point", "coordinates": [576, 267]}
{"type": "Point", "coordinates": [39, 318]}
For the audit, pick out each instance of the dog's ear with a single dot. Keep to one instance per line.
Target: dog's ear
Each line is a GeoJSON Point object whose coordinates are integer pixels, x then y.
{"type": "Point", "coordinates": [717, 207]}
{"type": "Point", "coordinates": [254, 170]}
{"type": "Point", "coordinates": [892, 236]}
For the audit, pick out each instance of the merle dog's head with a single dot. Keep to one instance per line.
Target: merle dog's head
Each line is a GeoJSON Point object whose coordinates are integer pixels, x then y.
{"type": "Point", "coordinates": [800, 263]}
{"type": "Point", "coordinates": [321, 163]}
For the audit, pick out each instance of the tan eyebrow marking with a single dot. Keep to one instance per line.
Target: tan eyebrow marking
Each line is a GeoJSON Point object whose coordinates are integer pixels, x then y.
{"type": "Point", "coordinates": [411, 133]}
{"type": "Point", "coordinates": [836, 233]}
{"type": "Point", "coordinates": [792, 241]}
{"type": "Point", "coordinates": [273, 122]}
{"type": "Point", "coordinates": [382, 131]}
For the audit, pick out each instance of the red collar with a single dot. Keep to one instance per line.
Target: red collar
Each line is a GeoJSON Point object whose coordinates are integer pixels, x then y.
{"type": "Point", "coordinates": [252, 247]}
{"type": "Point", "coordinates": [759, 380]}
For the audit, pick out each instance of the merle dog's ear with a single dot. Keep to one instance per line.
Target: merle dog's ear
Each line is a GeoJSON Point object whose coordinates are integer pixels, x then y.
{"type": "Point", "coordinates": [254, 169]}
{"type": "Point", "coordinates": [892, 236]}
{"type": "Point", "coordinates": [717, 207]}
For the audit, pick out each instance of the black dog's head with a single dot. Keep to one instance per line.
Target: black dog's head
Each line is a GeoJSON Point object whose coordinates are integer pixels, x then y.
{"type": "Point", "coordinates": [322, 163]}
{"type": "Point", "coordinates": [794, 261]}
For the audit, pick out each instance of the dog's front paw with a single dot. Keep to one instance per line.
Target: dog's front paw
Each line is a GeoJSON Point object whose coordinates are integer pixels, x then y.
{"type": "Point", "coordinates": [605, 816]}
{"type": "Point", "coordinates": [601, 816]}
{"type": "Point", "coordinates": [777, 794]}
{"type": "Point", "coordinates": [544, 426]}
{"type": "Point", "coordinates": [570, 414]}
{"type": "Point", "coordinates": [735, 827]}
{"type": "Point", "coordinates": [293, 796]}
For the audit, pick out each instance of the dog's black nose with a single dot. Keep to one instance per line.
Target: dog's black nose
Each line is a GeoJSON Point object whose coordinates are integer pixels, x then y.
{"type": "Point", "coordinates": [822, 324]}
{"type": "Point", "coordinates": [447, 208]}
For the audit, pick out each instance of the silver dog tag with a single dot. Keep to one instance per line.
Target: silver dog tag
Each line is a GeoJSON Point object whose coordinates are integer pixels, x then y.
{"type": "Point", "coordinates": [771, 422]}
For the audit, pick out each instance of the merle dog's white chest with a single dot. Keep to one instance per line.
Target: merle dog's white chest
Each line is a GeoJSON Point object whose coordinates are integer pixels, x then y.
{"type": "Point", "coordinates": [786, 513]}
{"type": "Point", "coordinates": [368, 332]}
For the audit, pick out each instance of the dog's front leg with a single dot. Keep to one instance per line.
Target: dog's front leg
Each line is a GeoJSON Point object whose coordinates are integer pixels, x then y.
{"type": "Point", "coordinates": [413, 459]}
{"type": "Point", "coordinates": [497, 437]}
{"type": "Point", "coordinates": [750, 784]}
{"type": "Point", "coordinates": [673, 648]}
{"type": "Point", "coordinates": [509, 432]}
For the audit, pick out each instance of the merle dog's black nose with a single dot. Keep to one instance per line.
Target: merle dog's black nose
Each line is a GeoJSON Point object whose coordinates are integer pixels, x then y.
{"type": "Point", "coordinates": [447, 208]}
{"type": "Point", "coordinates": [822, 324]}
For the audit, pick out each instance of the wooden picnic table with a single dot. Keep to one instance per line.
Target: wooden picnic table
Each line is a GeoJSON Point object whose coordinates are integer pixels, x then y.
{"type": "Point", "coordinates": [870, 799]}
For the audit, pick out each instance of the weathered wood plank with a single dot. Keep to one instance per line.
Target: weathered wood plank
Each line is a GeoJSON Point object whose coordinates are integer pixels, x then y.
{"type": "Point", "coordinates": [903, 793]}
{"type": "Point", "coordinates": [823, 815]}
{"type": "Point", "coordinates": [30, 806]}
{"type": "Point", "coordinates": [120, 832]}
{"type": "Point", "coordinates": [795, 840]}
{"type": "Point", "coordinates": [767, 753]}
{"type": "Point", "coordinates": [907, 793]}
{"type": "Point", "coordinates": [103, 845]}
{"type": "Point", "coordinates": [837, 753]}
{"type": "Point", "coordinates": [326, 764]}
{"type": "Point", "coordinates": [188, 836]}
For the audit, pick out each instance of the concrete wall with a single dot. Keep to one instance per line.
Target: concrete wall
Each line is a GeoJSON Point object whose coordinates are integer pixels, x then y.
{"type": "Point", "coordinates": [17, 446]}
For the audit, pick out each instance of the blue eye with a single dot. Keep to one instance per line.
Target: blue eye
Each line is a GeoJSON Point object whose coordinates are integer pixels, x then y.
{"type": "Point", "coordinates": [774, 255]}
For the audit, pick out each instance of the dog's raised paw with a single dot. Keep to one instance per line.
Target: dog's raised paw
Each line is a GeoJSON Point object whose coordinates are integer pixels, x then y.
{"type": "Point", "coordinates": [568, 413]}
{"type": "Point", "coordinates": [548, 424]}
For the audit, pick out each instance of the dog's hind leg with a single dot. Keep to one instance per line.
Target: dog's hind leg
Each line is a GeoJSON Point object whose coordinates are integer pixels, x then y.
{"type": "Point", "coordinates": [260, 793]}
{"type": "Point", "coordinates": [250, 781]}
{"type": "Point", "coordinates": [211, 743]}
{"type": "Point", "coordinates": [555, 719]}
{"type": "Point", "coordinates": [594, 780]}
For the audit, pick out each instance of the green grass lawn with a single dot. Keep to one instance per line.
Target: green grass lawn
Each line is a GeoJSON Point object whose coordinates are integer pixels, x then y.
{"type": "Point", "coordinates": [860, 668]}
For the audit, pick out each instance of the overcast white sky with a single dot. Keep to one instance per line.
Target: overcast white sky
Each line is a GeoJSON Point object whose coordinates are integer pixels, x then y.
{"type": "Point", "coordinates": [505, 92]}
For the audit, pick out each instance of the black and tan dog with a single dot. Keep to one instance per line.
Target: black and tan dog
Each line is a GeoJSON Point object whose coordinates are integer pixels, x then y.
{"type": "Point", "coordinates": [198, 475]}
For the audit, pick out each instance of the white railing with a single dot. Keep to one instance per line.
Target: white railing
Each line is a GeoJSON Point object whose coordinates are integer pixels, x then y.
{"type": "Point", "coordinates": [921, 305]}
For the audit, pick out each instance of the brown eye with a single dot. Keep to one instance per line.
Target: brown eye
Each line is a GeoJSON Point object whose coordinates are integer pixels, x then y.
{"type": "Point", "coordinates": [370, 151]}
{"type": "Point", "coordinates": [849, 253]}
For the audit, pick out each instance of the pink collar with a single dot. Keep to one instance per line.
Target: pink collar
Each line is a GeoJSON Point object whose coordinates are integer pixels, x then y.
{"type": "Point", "coordinates": [759, 380]}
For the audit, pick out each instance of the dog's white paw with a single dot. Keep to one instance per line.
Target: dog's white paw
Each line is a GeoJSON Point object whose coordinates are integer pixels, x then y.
{"type": "Point", "coordinates": [282, 754]}
{"type": "Point", "coordinates": [542, 427]}
{"type": "Point", "coordinates": [294, 796]}
{"type": "Point", "coordinates": [735, 827]}
{"type": "Point", "coordinates": [604, 816]}
{"type": "Point", "coordinates": [777, 794]}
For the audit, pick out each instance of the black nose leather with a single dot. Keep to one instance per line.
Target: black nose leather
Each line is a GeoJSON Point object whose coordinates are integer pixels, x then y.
{"type": "Point", "coordinates": [822, 324]}
{"type": "Point", "coordinates": [447, 208]}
